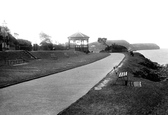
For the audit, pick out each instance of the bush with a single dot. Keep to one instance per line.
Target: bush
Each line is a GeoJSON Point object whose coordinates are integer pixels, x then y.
{"type": "Point", "coordinates": [116, 48]}
{"type": "Point", "coordinates": [24, 44]}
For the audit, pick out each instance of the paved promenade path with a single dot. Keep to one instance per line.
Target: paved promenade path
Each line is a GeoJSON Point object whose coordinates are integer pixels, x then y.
{"type": "Point", "coordinates": [49, 95]}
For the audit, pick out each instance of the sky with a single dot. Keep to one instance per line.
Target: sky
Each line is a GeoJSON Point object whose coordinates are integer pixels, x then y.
{"type": "Point", "coordinates": [137, 21]}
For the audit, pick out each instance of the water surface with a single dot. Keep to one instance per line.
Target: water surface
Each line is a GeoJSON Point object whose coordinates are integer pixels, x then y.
{"type": "Point", "coordinates": [160, 56]}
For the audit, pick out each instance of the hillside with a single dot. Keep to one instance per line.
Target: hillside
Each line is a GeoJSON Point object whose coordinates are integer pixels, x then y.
{"type": "Point", "coordinates": [95, 46]}
{"type": "Point", "coordinates": [116, 98]}
{"type": "Point", "coordinates": [144, 46]}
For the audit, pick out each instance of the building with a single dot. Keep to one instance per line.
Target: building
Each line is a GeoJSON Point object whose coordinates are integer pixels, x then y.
{"type": "Point", "coordinates": [79, 42]}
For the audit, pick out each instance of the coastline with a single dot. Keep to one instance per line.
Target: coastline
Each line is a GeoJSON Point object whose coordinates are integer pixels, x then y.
{"type": "Point", "coordinates": [161, 58]}
{"type": "Point", "coordinates": [116, 98]}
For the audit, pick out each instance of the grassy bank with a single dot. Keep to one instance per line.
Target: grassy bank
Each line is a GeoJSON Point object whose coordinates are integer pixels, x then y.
{"type": "Point", "coordinates": [117, 99]}
{"type": "Point", "coordinates": [10, 75]}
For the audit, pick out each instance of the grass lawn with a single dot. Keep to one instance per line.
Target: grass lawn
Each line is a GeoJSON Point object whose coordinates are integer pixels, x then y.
{"type": "Point", "coordinates": [117, 99]}
{"type": "Point", "coordinates": [10, 75]}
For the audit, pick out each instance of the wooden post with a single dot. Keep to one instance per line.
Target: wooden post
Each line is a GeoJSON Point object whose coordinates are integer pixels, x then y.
{"type": "Point", "coordinates": [69, 43]}
{"type": "Point", "coordinates": [87, 44]}
{"type": "Point", "coordinates": [82, 45]}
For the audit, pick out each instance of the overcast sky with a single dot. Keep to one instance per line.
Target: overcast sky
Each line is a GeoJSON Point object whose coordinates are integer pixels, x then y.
{"type": "Point", "coordinates": [137, 21]}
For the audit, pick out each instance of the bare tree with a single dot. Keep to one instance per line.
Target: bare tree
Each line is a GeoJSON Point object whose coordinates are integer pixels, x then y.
{"type": "Point", "coordinates": [46, 43]}
{"type": "Point", "coordinates": [45, 37]}
{"type": "Point", "coordinates": [103, 41]}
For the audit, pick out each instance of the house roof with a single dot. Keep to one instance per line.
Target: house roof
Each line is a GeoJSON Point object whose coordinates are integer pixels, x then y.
{"type": "Point", "coordinates": [78, 35]}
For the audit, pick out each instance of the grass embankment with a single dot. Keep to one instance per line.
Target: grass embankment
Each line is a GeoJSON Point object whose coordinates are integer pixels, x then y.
{"type": "Point", "coordinates": [10, 75]}
{"type": "Point", "coordinates": [118, 99]}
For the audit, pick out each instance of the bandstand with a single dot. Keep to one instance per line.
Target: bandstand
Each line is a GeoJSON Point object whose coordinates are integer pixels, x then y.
{"type": "Point", "coordinates": [79, 42]}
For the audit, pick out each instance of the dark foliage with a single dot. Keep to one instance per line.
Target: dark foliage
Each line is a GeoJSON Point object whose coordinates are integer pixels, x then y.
{"type": "Point", "coordinates": [59, 47]}
{"type": "Point", "coordinates": [148, 63]}
{"type": "Point", "coordinates": [46, 46]}
{"type": "Point", "coordinates": [46, 43]}
{"type": "Point", "coordinates": [35, 47]}
{"type": "Point", "coordinates": [146, 73]}
{"type": "Point", "coordinates": [116, 48]}
{"type": "Point", "coordinates": [24, 44]}
{"type": "Point", "coordinates": [7, 37]}
{"type": "Point", "coordinates": [144, 68]}
{"type": "Point", "coordinates": [1, 37]}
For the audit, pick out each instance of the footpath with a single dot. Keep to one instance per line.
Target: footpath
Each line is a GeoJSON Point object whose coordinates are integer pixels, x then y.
{"type": "Point", "coordinates": [46, 65]}
{"type": "Point", "coordinates": [50, 95]}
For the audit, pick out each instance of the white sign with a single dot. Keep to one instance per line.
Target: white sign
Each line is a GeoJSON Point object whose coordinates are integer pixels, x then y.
{"type": "Point", "coordinates": [137, 84]}
{"type": "Point", "coordinates": [123, 74]}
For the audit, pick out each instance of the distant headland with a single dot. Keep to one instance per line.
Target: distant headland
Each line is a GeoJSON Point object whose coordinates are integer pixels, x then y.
{"type": "Point", "coordinates": [96, 46]}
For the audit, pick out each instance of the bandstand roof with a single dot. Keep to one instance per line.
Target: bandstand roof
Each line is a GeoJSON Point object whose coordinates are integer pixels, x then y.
{"type": "Point", "coordinates": [78, 35]}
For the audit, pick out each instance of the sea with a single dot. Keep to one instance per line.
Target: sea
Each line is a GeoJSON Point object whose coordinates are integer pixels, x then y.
{"type": "Point", "coordinates": [160, 55]}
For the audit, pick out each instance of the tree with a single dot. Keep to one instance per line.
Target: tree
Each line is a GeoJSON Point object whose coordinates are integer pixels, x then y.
{"type": "Point", "coordinates": [46, 46]}
{"type": "Point", "coordinates": [35, 47]}
{"type": "Point", "coordinates": [59, 47]}
{"type": "Point", "coordinates": [45, 37]}
{"type": "Point", "coordinates": [116, 48]}
{"type": "Point", "coordinates": [102, 41]}
{"type": "Point", "coordinates": [1, 35]}
{"type": "Point", "coordinates": [24, 44]}
{"type": "Point", "coordinates": [4, 31]}
{"type": "Point", "coordinates": [46, 43]}
{"type": "Point", "coordinates": [12, 41]}
{"type": "Point", "coordinates": [6, 38]}
{"type": "Point", "coordinates": [113, 47]}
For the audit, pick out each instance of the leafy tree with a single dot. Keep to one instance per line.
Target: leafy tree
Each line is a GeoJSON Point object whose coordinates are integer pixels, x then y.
{"type": "Point", "coordinates": [46, 46]}
{"type": "Point", "coordinates": [4, 31]}
{"type": "Point", "coordinates": [35, 47]}
{"type": "Point", "coordinates": [24, 44]}
{"type": "Point", "coordinates": [59, 47]}
{"type": "Point", "coordinates": [12, 41]}
{"type": "Point", "coordinates": [46, 43]}
{"type": "Point", "coordinates": [116, 48]}
{"type": "Point", "coordinates": [1, 37]}
{"type": "Point", "coordinates": [6, 37]}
